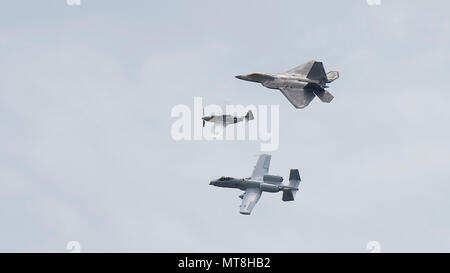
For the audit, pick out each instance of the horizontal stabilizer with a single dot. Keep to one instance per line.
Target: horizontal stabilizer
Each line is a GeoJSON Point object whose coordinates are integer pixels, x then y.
{"type": "Point", "coordinates": [324, 96]}
{"type": "Point", "coordinates": [332, 75]}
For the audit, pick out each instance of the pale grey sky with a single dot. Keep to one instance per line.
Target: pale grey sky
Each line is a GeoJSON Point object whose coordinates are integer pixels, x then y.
{"type": "Point", "coordinates": [85, 147]}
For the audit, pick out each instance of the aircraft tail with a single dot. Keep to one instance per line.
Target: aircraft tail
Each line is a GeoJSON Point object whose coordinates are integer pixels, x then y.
{"type": "Point", "coordinates": [203, 109]}
{"type": "Point", "coordinates": [332, 75]}
{"type": "Point", "coordinates": [324, 95]}
{"type": "Point", "coordinates": [249, 116]}
{"type": "Point", "coordinates": [294, 181]}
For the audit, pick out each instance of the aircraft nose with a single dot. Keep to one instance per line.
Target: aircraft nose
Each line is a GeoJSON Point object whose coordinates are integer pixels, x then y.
{"type": "Point", "coordinates": [211, 183]}
{"type": "Point", "coordinates": [241, 77]}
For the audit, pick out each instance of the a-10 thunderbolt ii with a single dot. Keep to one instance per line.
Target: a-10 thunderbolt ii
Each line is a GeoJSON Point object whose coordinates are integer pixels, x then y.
{"type": "Point", "coordinates": [299, 85]}
{"type": "Point", "coordinates": [225, 120]}
{"type": "Point", "coordinates": [258, 183]}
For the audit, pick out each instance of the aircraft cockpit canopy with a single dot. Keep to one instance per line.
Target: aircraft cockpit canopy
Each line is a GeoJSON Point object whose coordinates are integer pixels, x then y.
{"type": "Point", "coordinates": [225, 178]}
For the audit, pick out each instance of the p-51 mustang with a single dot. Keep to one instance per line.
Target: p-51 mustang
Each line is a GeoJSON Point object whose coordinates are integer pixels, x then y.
{"type": "Point", "coordinates": [299, 85]}
{"type": "Point", "coordinates": [225, 120]}
{"type": "Point", "coordinates": [259, 182]}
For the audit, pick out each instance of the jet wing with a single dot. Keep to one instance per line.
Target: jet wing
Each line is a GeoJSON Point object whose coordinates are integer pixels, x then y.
{"type": "Point", "coordinates": [312, 70]}
{"type": "Point", "coordinates": [261, 167]}
{"type": "Point", "coordinates": [299, 97]}
{"type": "Point", "coordinates": [249, 200]}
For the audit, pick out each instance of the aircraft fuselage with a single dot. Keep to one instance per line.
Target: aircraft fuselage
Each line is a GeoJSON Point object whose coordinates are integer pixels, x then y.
{"type": "Point", "coordinates": [246, 183]}
{"type": "Point", "coordinates": [277, 81]}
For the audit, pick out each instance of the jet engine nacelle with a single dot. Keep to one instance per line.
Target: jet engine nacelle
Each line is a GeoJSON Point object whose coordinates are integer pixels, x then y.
{"type": "Point", "coordinates": [272, 179]}
{"type": "Point", "coordinates": [269, 187]}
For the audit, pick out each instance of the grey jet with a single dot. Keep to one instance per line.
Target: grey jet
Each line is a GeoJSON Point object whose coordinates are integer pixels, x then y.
{"type": "Point", "coordinates": [258, 183]}
{"type": "Point", "coordinates": [225, 120]}
{"type": "Point", "coordinates": [299, 85]}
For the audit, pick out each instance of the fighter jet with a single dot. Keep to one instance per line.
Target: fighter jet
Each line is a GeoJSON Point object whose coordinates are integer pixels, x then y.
{"type": "Point", "coordinates": [225, 120]}
{"type": "Point", "coordinates": [299, 85]}
{"type": "Point", "coordinates": [260, 182]}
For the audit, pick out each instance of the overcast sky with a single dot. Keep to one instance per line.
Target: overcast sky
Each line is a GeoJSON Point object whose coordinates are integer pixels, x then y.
{"type": "Point", "coordinates": [86, 152]}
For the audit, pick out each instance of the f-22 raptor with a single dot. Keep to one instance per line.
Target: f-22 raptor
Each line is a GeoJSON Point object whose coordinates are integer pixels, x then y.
{"type": "Point", "coordinates": [299, 85]}
{"type": "Point", "coordinates": [258, 183]}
